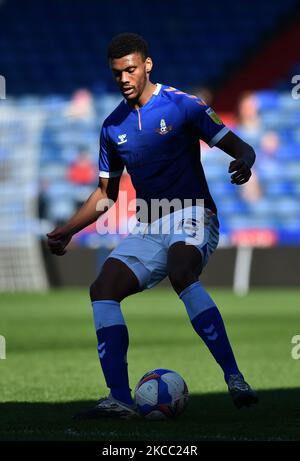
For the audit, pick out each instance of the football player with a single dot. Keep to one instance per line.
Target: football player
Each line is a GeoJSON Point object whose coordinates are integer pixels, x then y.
{"type": "Point", "coordinates": [154, 132]}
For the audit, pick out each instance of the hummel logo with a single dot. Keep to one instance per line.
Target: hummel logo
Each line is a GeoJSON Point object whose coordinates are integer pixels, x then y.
{"type": "Point", "coordinates": [211, 333]}
{"type": "Point", "coordinates": [122, 138]}
{"type": "Point", "coordinates": [101, 350]}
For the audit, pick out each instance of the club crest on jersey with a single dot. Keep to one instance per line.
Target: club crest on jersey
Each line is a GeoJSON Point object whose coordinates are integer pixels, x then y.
{"type": "Point", "coordinates": [122, 138]}
{"type": "Point", "coordinates": [164, 129]}
{"type": "Point", "coordinates": [213, 116]}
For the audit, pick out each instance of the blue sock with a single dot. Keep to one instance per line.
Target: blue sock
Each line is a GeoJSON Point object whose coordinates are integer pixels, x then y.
{"type": "Point", "coordinates": [113, 341]}
{"type": "Point", "coordinates": [208, 324]}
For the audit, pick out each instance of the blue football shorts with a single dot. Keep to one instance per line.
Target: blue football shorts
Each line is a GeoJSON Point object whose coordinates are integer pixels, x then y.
{"type": "Point", "coordinates": [145, 249]}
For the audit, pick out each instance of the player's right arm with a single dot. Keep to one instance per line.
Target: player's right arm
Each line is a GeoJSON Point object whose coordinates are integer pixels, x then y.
{"type": "Point", "coordinates": [111, 168]}
{"type": "Point", "coordinates": [95, 206]}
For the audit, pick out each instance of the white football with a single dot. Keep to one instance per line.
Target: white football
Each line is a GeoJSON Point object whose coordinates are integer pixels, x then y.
{"type": "Point", "coordinates": [161, 394]}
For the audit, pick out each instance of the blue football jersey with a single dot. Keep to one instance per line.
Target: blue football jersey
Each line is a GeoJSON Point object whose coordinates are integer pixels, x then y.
{"type": "Point", "coordinates": [159, 145]}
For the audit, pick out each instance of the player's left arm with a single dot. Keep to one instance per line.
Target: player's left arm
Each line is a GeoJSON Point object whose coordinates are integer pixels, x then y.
{"type": "Point", "coordinates": [210, 128]}
{"type": "Point", "coordinates": [243, 154]}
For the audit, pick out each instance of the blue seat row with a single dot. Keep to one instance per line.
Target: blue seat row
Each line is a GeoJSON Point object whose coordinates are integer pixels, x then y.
{"type": "Point", "coordinates": [57, 46]}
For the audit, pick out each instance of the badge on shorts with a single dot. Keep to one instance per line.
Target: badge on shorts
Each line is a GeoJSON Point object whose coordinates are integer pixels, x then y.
{"type": "Point", "coordinates": [190, 226]}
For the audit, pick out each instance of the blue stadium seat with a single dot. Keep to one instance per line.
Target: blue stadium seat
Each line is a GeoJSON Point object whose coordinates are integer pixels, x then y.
{"type": "Point", "coordinates": [57, 46]}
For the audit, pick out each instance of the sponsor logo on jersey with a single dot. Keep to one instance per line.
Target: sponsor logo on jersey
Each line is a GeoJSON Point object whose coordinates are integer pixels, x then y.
{"type": "Point", "coordinates": [213, 116]}
{"type": "Point", "coordinates": [164, 129]}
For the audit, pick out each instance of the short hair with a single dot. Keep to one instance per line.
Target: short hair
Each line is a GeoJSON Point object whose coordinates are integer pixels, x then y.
{"type": "Point", "coordinates": [127, 43]}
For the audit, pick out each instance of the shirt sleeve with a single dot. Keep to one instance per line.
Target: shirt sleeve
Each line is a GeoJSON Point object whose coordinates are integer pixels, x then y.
{"type": "Point", "coordinates": [205, 121]}
{"type": "Point", "coordinates": [110, 164]}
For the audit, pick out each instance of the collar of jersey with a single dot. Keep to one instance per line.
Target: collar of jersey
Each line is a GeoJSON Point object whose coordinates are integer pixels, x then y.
{"type": "Point", "coordinates": [151, 99]}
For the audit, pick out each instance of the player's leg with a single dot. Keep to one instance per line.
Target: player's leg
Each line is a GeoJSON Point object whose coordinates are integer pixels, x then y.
{"type": "Point", "coordinates": [185, 264]}
{"type": "Point", "coordinates": [115, 282]}
{"type": "Point", "coordinates": [184, 268]}
{"type": "Point", "coordinates": [137, 263]}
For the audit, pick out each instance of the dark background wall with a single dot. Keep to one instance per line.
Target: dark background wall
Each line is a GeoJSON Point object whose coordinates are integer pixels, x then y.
{"type": "Point", "coordinates": [271, 267]}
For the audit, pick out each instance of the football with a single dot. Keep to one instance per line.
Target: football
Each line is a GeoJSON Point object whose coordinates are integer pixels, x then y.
{"type": "Point", "coordinates": [161, 394]}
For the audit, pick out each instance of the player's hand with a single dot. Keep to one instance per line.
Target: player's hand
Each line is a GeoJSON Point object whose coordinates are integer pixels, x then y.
{"type": "Point", "coordinates": [58, 239]}
{"type": "Point", "coordinates": [241, 171]}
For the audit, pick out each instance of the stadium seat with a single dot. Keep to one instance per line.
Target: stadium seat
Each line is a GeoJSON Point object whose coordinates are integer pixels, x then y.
{"type": "Point", "coordinates": [46, 42]}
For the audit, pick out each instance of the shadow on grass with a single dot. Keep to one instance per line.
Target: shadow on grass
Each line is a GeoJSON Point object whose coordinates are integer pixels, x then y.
{"type": "Point", "coordinates": [208, 417]}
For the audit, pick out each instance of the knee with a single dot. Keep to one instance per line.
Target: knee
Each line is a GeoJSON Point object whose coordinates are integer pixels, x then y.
{"type": "Point", "coordinates": [94, 288]}
{"type": "Point", "coordinates": [102, 289]}
{"type": "Point", "coordinates": [98, 291]}
{"type": "Point", "coordinates": [181, 277]}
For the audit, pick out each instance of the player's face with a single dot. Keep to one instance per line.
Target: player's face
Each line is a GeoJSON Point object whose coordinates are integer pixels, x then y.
{"type": "Point", "coordinates": [131, 73]}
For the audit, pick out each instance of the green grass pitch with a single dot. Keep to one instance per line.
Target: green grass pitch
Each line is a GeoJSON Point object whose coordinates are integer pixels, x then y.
{"type": "Point", "coordinates": [51, 369]}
